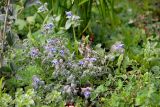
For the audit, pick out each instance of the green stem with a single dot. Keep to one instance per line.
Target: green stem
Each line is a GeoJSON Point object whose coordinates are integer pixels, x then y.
{"type": "Point", "coordinates": [75, 41]}
{"type": "Point", "coordinates": [74, 34]}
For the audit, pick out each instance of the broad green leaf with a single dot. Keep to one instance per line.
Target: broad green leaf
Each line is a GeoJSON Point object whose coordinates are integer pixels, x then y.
{"type": "Point", "coordinates": [31, 19]}
{"type": "Point", "coordinates": [68, 24]}
{"type": "Point", "coordinates": [20, 23]}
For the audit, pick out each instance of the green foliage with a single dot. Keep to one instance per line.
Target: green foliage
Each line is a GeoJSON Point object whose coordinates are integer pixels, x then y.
{"type": "Point", "coordinates": [102, 53]}
{"type": "Point", "coordinates": [24, 99]}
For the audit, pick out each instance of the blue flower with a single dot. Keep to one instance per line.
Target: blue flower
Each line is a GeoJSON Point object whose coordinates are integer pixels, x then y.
{"type": "Point", "coordinates": [69, 14]}
{"type": "Point", "coordinates": [81, 63]}
{"type": "Point", "coordinates": [43, 8]}
{"type": "Point", "coordinates": [62, 52]}
{"type": "Point", "coordinates": [34, 52]}
{"type": "Point", "coordinates": [87, 94]}
{"type": "Point", "coordinates": [48, 26]}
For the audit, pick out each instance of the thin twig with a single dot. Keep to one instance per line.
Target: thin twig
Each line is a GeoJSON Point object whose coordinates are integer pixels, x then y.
{"type": "Point", "coordinates": [4, 33]}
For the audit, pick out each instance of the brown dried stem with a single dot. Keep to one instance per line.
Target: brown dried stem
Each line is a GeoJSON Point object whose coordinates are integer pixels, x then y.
{"type": "Point", "coordinates": [4, 34]}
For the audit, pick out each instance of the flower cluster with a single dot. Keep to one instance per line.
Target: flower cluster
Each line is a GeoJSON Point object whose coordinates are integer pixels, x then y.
{"type": "Point", "coordinates": [55, 47]}
{"type": "Point", "coordinates": [73, 20]}
{"type": "Point", "coordinates": [57, 64]}
{"type": "Point", "coordinates": [48, 28]}
{"type": "Point", "coordinates": [67, 69]}
{"type": "Point", "coordinates": [87, 62]}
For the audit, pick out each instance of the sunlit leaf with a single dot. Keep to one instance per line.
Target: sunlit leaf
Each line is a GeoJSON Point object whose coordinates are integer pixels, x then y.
{"type": "Point", "coordinates": [20, 23]}
{"type": "Point", "coordinates": [68, 24]}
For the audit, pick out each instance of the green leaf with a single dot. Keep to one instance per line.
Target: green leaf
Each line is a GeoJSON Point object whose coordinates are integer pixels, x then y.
{"type": "Point", "coordinates": [10, 38]}
{"type": "Point", "coordinates": [120, 84]}
{"type": "Point", "coordinates": [31, 19]}
{"type": "Point", "coordinates": [100, 89]}
{"type": "Point", "coordinates": [68, 24]}
{"type": "Point", "coordinates": [5, 69]}
{"type": "Point", "coordinates": [20, 23]}
{"type": "Point", "coordinates": [82, 2]}
{"type": "Point", "coordinates": [120, 59]}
